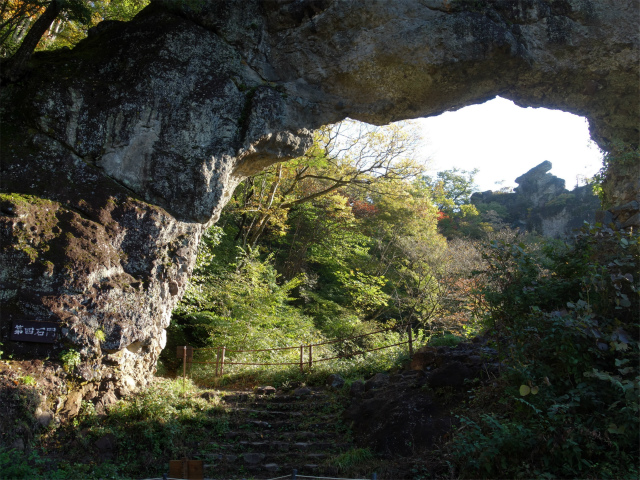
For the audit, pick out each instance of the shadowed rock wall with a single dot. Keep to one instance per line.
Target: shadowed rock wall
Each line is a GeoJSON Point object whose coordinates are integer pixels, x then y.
{"type": "Point", "coordinates": [117, 155]}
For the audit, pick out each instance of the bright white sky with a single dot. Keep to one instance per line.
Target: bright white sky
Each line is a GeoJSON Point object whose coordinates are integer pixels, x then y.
{"type": "Point", "coordinates": [504, 141]}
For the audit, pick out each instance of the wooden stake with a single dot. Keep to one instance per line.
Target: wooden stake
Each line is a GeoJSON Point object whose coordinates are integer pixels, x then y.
{"type": "Point", "coordinates": [184, 369]}
{"type": "Point", "coordinates": [222, 362]}
{"type": "Point", "coordinates": [410, 342]}
{"type": "Point", "coordinates": [310, 357]}
{"type": "Point", "coordinates": [301, 359]}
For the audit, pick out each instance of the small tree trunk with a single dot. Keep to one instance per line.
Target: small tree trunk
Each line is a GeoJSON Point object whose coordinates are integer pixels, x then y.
{"type": "Point", "coordinates": [16, 64]}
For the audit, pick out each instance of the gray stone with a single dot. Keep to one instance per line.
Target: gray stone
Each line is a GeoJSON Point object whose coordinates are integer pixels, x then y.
{"type": "Point", "coordinates": [335, 381]}
{"type": "Point", "coordinates": [253, 458]}
{"type": "Point", "coordinates": [356, 388]}
{"type": "Point", "coordinates": [474, 359]}
{"type": "Point", "coordinates": [541, 203]}
{"type": "Point", "coordinates": [379, 380]}
{"type": "Point", "coordinates": [18, 444]}
{"type": "Point", "coordinates": [302, 391]}
{"type": "Point", "coordinates": [45, 418]}
{"type": "Point", "coordinates": [108, 399]}
{"type": "Point", "coordinates": [271, 467]}
{"type": "Point", "coordinates": [266, 390]}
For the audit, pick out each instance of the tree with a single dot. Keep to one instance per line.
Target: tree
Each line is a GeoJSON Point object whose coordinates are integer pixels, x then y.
{"type": "Point", "coordinates": [406, 250]}
{"type": "Point", "coordinates": [451, 192]}
{"type": "Point", "coordinates": [346, 154]}
{"type": "Point", "coordinates": [15, 18]}
{"type": "Point", "coordinates": [75, 10]}
{"type": "Point", "coordinates": [25, 23]}
{"type": "Point", "coordinates": [452, 189]}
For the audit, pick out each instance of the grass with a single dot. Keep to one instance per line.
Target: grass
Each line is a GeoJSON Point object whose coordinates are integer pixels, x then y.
{"type": "Point", "coordinates": [446, 340]}
{"type": "Point", "coordinates": [355, 457]}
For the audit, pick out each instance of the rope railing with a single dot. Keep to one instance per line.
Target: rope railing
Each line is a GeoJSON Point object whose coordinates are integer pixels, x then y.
{"type": "Point", "coordinates": [186, 352]}
{"type": "Point", "coordinates": [348, 355]}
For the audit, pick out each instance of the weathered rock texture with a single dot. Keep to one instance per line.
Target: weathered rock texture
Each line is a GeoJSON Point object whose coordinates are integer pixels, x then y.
{"type": "Point", "coordinates": [117, 154]}
{"type": "Point", "coordinates": [540, 203]}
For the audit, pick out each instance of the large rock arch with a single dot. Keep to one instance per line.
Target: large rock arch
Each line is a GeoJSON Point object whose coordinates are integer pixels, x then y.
{"type": "Point", "coordinates": [116, 155]}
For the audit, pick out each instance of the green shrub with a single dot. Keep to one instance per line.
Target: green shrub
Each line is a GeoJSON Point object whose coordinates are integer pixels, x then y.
{"type": "Point", "coordinates": [566, 322]}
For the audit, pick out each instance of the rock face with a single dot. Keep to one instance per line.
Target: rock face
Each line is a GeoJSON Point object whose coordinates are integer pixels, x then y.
{"type": "Point", "coordinates": [408, 411]}
{"type": "Point", "coordinates": [117, 155]}
{"type": "Point", "coordinates": [541, 203]}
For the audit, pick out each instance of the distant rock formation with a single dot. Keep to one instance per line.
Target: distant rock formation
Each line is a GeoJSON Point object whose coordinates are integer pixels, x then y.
{"type": "Point", "coordinates": [541, 203]}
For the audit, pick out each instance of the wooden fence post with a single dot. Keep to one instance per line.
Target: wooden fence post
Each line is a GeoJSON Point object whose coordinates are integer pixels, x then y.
{"type": "Point", "coordinates": [222, 361]}
{"type": "Point", "coordinates": [310, 357]}
{"type": "Point", "coordinates": [301, 359]}
{"type": "Point", "coordinates": [184, 368]}
{"type": "Point", "coordinates": [217, 361]}
{"type": "Point", "coordinates": [410, 342]}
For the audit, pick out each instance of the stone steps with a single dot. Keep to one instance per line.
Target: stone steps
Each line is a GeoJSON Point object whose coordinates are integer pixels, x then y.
{"type": "Point", "coordinates": [268, 414]}
{"type": "Point", "coordinates": [276, 435]}
{"type": "Point", "coordinates": [272, 399]}
{"type": "Point", "coordinates": [280, 446]}
{"type": "Point", "coordinates": [271, 434]}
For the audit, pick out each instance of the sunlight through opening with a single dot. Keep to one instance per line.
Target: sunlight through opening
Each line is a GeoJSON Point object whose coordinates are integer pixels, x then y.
{"type": "Point", "coordinates": [504, 141]}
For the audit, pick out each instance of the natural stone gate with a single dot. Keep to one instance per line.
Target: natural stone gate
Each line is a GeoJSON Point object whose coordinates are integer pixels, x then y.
{"type": "Point", "coordinates": [117, 155]}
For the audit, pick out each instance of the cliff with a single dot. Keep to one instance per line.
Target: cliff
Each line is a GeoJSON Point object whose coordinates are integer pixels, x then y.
{"type": "Point", "coordinates": [116, 155]}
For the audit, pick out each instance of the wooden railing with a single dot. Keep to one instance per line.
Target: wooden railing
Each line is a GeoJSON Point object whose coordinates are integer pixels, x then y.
{"type": "Point", "coordinates": [186, 352]}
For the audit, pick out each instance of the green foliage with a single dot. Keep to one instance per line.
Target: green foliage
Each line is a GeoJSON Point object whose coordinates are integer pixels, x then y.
{"type": "Point", "coordinates": [566, 317]}
{"type": "Point", "coordinates": [70, 360]}
{"type": "Point", "coordinates": [244, 307]}
{"type": "Point", "coordinates": [451, 192]}
{"type": "Point", "coordinates": [352, 458]}
{"type": "Point", "coordinates": [364, 291]}
{"type": "Point", "coordinates": [17, 465]}
{"type": "Point", "coordinates": [449, 340]}
{"type": "Point", "coordinates": [28, 380]}
{"type": "Point", "coordinates": [100, 335]}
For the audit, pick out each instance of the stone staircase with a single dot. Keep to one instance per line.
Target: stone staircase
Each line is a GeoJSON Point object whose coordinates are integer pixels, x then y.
{"type": "Point", "coordinates": [270, 434]}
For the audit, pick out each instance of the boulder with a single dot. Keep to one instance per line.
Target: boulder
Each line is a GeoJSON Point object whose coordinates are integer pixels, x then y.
{"type": "Point", "coordinates": [379, 380]}
{"type": "Point", "coordinates": [253, 458]}
{"type": "Point", "coordinates": [335, 381]}
{"type": "Point", "coordinates": [72, 404]}
{"type": "Point", "coordinates": [357, 388]}
{"type": "Point", "coordinates": [424, 357]}
{"type": "Point", "coordinates": [302, 391]}
{"type": "Point", "coordinates": [268, 390]}
{"type": "Point", "coordinates": [451, 374]}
